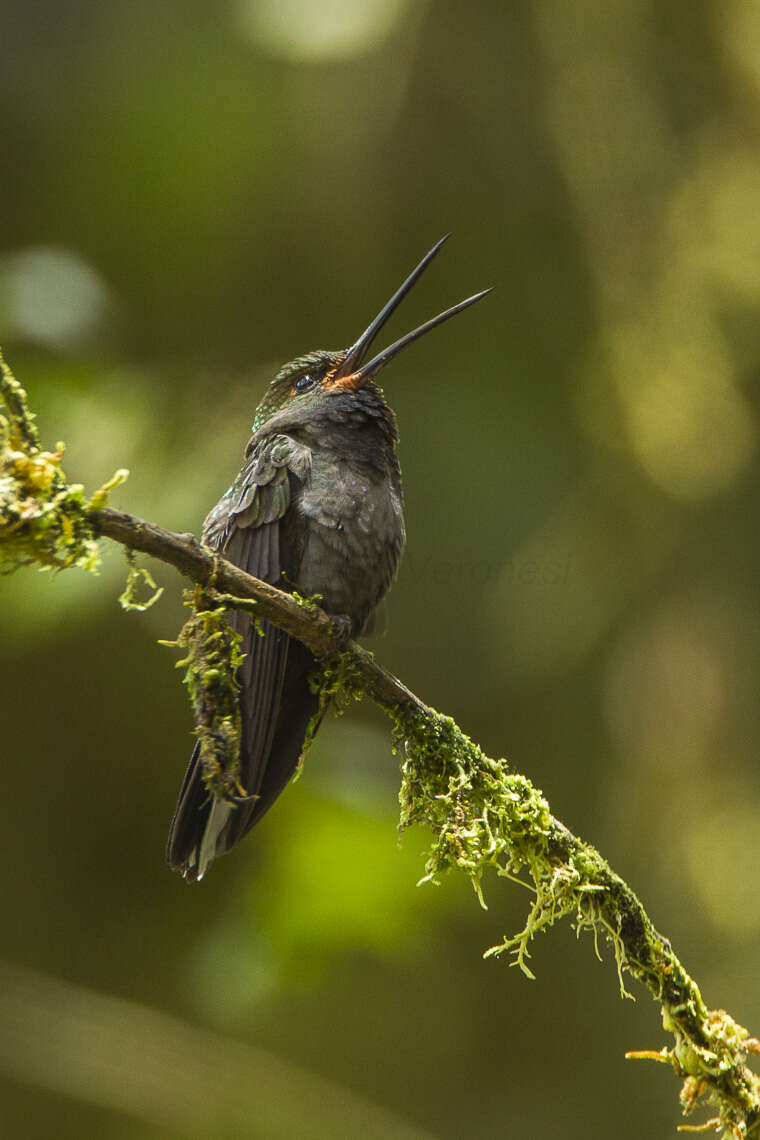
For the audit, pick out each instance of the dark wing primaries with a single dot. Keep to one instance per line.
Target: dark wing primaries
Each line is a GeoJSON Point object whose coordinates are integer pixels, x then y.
{"type": "Point", "coordinates": [245, 527]}
{"type": "Point", "coordinates": [263, 670]}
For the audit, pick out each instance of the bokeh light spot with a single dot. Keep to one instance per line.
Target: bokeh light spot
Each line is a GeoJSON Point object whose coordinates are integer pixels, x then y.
{"type": "Point", "coordinates": [690, 429]}
{"type": "Point", "coordinates": [332, 30]}
{"type": "Point", "coordinates": [51, 296]}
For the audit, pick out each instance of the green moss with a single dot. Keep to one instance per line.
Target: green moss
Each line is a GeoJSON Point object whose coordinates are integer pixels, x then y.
{"type": "Point", "coordinates": [20, 422]}
{"type": "Point", "coordinates": [231, 602]}
{"type": "Point", "coordinates": [483, 817]}
{"type": "Point", "coordinates": [43, 518]}
{"type": "Point", "coordinates": [138, 578]}
{"type": "Point", "coordinates": [336, 683]}
{"type": "Point", "coordinates": [310, 604]}
{"type": "Point", "coordinates": [213, 656]}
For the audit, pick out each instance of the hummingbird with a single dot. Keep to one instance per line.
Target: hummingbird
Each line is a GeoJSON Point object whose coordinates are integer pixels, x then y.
{"type": "Point", "coordinates": [317, 508]}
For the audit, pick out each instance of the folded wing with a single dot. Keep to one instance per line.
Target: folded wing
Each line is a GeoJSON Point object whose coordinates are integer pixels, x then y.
{"type": "Point", "coordinates": [275, 697]}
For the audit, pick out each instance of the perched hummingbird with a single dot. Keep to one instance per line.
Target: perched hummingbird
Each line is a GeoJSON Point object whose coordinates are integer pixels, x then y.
{"type": "Point", "coordinates": [317, 507]}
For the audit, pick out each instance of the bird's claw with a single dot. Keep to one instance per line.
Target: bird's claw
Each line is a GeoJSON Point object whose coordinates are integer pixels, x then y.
{"type": "Point", "coordinates": [343, 628]}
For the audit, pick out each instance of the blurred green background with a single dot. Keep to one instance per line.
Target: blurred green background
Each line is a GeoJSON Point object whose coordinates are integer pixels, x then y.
{"type": "Point", "coordinates": [193, 193]}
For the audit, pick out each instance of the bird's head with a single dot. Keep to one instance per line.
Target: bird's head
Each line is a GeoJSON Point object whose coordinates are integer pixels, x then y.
{"type": "Point", "coordinates": [306, 387]}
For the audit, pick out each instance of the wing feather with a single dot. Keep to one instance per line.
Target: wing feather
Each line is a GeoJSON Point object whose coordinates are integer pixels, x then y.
{"type": "Point", "coordinates": [245, 526]}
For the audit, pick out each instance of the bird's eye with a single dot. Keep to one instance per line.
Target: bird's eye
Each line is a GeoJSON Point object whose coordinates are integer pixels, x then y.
{"type": "Point", "coordinates": [303, 383]}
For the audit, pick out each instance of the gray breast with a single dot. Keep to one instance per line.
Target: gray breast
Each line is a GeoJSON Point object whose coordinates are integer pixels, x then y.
{"type": "Point", "coordinates": [354, 528]}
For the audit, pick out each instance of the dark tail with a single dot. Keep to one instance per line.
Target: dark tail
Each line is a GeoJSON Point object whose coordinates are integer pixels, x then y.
{"type": "Point", "coordinates": [275, 719]}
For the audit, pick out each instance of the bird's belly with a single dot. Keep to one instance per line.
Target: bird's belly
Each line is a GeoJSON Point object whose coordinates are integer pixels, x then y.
{"type": "Point", "coordinates": [354, 536]}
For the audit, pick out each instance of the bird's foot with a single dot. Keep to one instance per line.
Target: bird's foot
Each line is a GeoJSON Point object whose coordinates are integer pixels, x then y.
{"type": "Point", "coordinates": [343, 628]}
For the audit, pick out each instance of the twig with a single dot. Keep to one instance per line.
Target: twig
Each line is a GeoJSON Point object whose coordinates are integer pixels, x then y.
{"type": "Point", "coordinates": [306, 622]}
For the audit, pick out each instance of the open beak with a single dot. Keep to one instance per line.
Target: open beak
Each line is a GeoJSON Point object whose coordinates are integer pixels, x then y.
{"type": "Point", "coordinates": [352, 374]}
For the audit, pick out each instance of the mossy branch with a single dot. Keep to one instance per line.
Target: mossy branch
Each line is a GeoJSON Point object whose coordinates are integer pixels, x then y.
{"type": "Point", "coordinates": [482, 816]}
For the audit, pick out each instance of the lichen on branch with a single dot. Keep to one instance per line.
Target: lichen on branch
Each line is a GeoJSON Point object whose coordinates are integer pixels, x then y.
{"type": "Point", "coordinates": [44, 519]}
{"type": "Point", "coordinates": [213, 656]}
